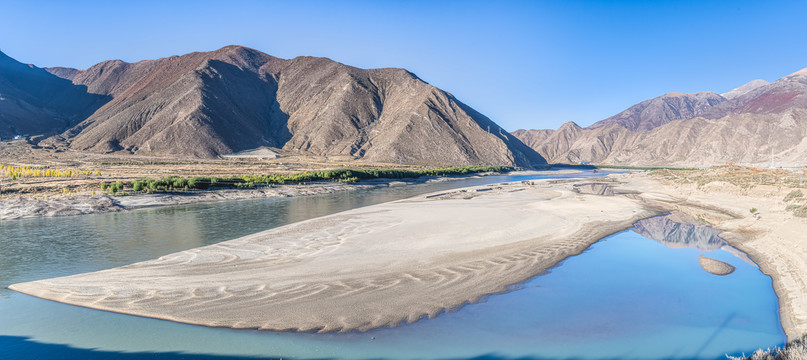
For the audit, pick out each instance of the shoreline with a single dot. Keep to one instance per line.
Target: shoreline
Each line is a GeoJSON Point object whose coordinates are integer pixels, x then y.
{"type": "Point", "coordinates": [769, 237]}
{"type": "Point", "coordinates": [23, 207]}
{"type": "Point", "coordinates": [313, 273]}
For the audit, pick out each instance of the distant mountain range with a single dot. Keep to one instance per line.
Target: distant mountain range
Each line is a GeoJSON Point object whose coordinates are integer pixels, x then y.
{"type": "Point", "coordinates": [745, 125]}
{"type": "Point", "coordinates": [205, 104]}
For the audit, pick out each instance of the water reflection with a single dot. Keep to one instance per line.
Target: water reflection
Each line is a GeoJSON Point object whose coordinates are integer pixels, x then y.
{"type": "Point", "coordinates": [678, 230]}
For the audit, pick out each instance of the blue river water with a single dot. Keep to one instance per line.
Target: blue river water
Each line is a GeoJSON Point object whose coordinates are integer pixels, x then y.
{"type": "Point", "coordinates": [627, 297]}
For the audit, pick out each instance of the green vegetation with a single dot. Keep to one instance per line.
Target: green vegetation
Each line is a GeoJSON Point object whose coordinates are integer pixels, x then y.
{"type": "Point", "coordinates": [753, 210]}
{"type": "Point", "coordinates": [112, 188]}
{"type": "Point", "coordinates": [176, 183]}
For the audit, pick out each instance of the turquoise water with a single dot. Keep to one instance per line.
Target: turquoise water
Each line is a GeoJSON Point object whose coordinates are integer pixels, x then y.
{"type": "Point", "coordinates": [626, 297]}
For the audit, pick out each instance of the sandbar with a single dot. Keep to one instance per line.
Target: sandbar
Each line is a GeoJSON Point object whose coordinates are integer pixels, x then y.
{"type": "Point", "coordinates": [366, 268]}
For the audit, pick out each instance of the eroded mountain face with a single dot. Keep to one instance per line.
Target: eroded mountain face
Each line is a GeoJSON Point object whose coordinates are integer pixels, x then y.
{"type": "Point", "coordinates": [210, 103]}
{"type": "Point", "coordinates": [744, 125]}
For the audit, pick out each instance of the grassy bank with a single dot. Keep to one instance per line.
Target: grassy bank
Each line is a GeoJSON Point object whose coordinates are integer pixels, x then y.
{"type": "Point", "coordinates": [177, 183]}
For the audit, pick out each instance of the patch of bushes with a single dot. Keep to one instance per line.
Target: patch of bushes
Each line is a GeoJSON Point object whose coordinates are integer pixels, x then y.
{"type": "Point", "coordinates": [793, 195]}
{"type": "Point", "coordinates": [798, 210]}
{"type": "Point", "coordinates": [176, 183]}
{"type": "Point", "coordinates": [112, 188]}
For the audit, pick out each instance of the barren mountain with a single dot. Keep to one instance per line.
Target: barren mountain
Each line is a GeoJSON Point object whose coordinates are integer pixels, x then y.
{"type": "Point", "coordinates": [742, 90]}
{"type": "Point", "coordinates": [532, 138]}
{"type": "Point", "coordinates": [33, 101]}
{"type": "Point", "coordinates": [744, 129]}
{"type": "Point", "coordinates": [650, 114]}
{"type": "Point", "coordinates": [789, 92]}
{"type": "Point", "coordinates": [210, 103]}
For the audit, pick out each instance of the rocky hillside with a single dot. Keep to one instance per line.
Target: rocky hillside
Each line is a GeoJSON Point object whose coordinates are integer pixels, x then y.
{"type": "Point", "coordinates": [653, 113]}
{"type": "Point", "coordinates": [744, 127]}
{"type": "Point", "coordinates": [210, 103]}
{"type": "Point", "coordinates": [33, 101]}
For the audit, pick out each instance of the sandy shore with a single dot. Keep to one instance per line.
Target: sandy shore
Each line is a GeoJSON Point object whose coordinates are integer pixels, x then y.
{"type": "Point", "coordinates": [772, 236]}
{"type": "Point", "coordinates": [365, 268]}
{"type": "Point", "coordinates": [19, 207]}
{"type": "Point", "coordinates": [397, 262]}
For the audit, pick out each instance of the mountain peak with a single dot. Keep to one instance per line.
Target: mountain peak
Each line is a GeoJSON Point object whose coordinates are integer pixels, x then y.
{"type": "Point", "coordinates": [204, 104]}
{"type": "Point", "coordinates": [569, 125]}
{"type": "Point", "coordinates": [650, 114]}
{"type": "Point", "coordinates": [802, 72]}
{"type": "Point", "coordinates": [744, 89]}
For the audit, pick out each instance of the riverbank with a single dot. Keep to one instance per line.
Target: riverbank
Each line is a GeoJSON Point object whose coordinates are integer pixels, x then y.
{"type": "Point", "coordinates": [365, 268]}
{"type": "Point", "coordinates": [413, 258]}
{"type": "Point", "coordinates": [759, 217]}
{"type": "Point", "coordinates": [27, 206]}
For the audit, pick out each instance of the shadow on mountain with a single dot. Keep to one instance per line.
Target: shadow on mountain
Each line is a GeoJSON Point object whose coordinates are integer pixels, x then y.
{"type": "Point", "coordinates": [34, 101]}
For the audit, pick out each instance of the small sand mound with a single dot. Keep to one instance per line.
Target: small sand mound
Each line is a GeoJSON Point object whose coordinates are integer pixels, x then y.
{"type": "Point", "coordinates": [716, 267]}
{"type": "Point", "coordinates": [595, 189]}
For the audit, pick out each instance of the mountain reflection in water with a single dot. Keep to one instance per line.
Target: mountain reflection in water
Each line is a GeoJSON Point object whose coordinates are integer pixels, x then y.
{"type": "Point", "coordinates": [678, 230]}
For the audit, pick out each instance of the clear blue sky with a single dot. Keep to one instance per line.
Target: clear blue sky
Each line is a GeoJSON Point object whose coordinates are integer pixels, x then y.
{"type": "Point", "coordinates": [525, 64]}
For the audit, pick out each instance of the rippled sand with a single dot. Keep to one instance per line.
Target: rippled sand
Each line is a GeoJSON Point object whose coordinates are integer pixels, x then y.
{"type": "Point", "coordinates": [365, 268]}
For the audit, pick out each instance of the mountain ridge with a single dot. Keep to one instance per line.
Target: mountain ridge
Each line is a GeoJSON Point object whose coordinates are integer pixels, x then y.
{"type": "Point", "coordinates": [744, 128]}
{"type": "Point", "coordinates": [204, 104]}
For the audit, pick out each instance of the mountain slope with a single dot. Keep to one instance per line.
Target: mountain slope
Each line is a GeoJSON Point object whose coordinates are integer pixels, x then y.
{"type": "Point", "coordinates": [33, 101]}
{"type": "Point", "coordinates": [653, 113]}
{"type": "Point", "coordinates": [235, 98]}
{"type": "Point", "coordinates": [742, 90]}
{"type": "Point", "coordinates": [745, 129]}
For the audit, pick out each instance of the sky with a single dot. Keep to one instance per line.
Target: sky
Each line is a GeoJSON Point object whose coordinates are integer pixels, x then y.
{"type": "Point", "coordinates": [524, 64]}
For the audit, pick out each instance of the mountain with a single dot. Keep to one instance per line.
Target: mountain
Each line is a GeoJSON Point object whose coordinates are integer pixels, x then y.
{"type": "Point", "coordinates": [33, 101]}
{"type": "Point", "coordinates": [742, 90]}
{"type": "Point", "coordinates": [532, 138]}
{"type": "Point", "coordinates": [754, 121]}
{"type": "Point", "coordinates": [205, 104]}
{"type": "Point", "coordinates": [653, 113]}
{"type": "Point", "coordinates": [789, 92]}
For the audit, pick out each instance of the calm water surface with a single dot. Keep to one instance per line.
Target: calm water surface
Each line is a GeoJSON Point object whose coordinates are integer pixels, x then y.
{"type": "Point", "coordinates": [626, 297]}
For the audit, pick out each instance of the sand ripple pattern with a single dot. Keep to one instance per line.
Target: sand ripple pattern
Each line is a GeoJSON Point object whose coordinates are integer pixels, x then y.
{"type": "Point", "coordinates": [362, 269]}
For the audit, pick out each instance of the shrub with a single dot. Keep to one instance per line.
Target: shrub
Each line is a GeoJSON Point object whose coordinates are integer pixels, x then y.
{"type": "Point", "coordinates": [753, 210]}
{"type": "Point", "coordinates": [176, 183]}
{"type": "Point", "coordinates": [795, 194]}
